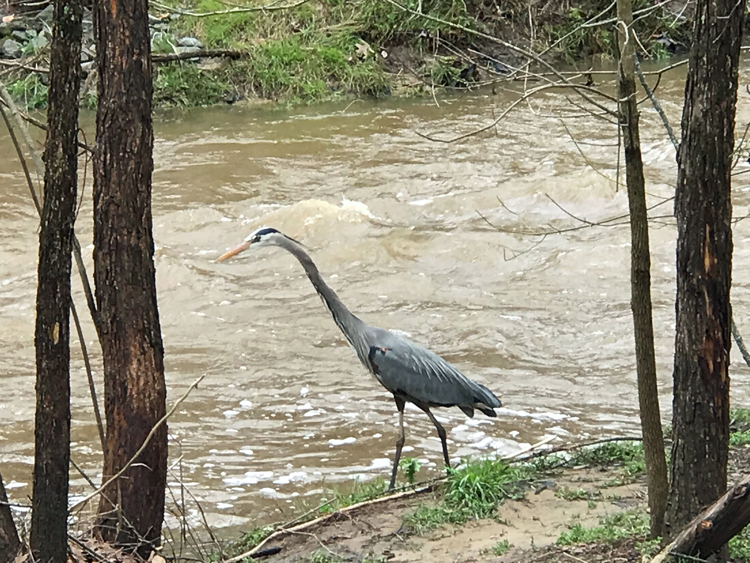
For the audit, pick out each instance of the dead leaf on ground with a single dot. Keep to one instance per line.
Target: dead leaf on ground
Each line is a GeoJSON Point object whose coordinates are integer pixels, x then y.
{"type": "Point", "coordinates": [363, 49]}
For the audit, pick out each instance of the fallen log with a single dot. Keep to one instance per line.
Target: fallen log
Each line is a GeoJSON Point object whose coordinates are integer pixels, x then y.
{"type": "Point", "coordinates": [203, 54]}
{"type": "Point", "coordinates": [713, 527]}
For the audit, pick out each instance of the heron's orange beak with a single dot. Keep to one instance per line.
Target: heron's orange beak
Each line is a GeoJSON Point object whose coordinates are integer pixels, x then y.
{"type": "Point", "coordinates": [234, 252]}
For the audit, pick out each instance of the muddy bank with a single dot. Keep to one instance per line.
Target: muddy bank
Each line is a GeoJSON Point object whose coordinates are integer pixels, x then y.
{"type": "Point", "coordinates": [377, 533]}
{"type": "Point", "coordinates": [595, 513]}
{"type": "Point", "coordinates": [327, 49]}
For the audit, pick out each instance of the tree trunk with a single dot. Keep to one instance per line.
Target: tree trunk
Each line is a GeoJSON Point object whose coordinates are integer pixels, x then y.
{"type": "Point", "coordinates": [703, 210]}
{"type": "Point", "coordinates": [9, 542]}
{"type": "Point", "coordinates": [49, 517]}
{"type": "Point", "coordinates": [640, 277]}
{"type": "Point", "coordinates": [135, 392]}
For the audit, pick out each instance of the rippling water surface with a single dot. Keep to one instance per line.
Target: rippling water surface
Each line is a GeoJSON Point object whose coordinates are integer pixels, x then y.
{"type": "Point", "coordinates": [393, 222]}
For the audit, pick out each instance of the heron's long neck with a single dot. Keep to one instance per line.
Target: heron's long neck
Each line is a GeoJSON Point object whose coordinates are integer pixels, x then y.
{"type": "Point", "coordinates": [349, 324]}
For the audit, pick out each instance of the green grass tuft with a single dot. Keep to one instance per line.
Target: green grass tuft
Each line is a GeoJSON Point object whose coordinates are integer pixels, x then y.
{"type": "Point", "coordinates": [322, 556]}
{"type": "Point", "coordinates": [410, 467]}
{"type": "Point", "coordinates": [739, 427]}
{"type": "Point", "coordinates": [426, 518]}
{"type": "Point", "coordinates": [359, 491]}
{"type": "Point", "coordinates": [611, 528]}
{"type": "Point", "coordinates": [182, 84]}
{"type": "Point", "coordinates": [29, 92]}
{"type": "Point", "coordinates": [739, 546]}
{"type": "Point", "coordinates": [479, 487]}
{"type": "Point", "coordinates": [471, 492]}
{"type": "Point", "coordinates": [248, 540]}
{"type": "Point", "coordinates": [501, 548]}
{"type": "Point", "coordinates": [565, 493]}
{"type": "Point", "coordinates": [312, 67]}
{"type": "Point", "coordinates": [628, 455]}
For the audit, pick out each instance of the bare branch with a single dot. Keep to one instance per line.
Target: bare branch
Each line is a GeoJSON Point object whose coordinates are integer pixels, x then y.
{"type": "Point", "coordinates": [150, 435]}
{"type": "Point", "coordinates": [272, 7]}
{"type": "Point", "coordinates": [169, 57]}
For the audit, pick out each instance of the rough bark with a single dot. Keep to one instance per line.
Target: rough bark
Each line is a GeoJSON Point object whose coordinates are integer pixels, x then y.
{"type": "Point", "coordinates": [640, 276]}
{"type": "Point", "coordinates": [9, 542]}
{"type": "Point", "coordinates": [48, 541]}
{"type": "Point", "coordinates": [133, 354]}
{"type": "Point", "coordinates": [704, 264]}
{"type": "Point", "coordinates": [713, 527]}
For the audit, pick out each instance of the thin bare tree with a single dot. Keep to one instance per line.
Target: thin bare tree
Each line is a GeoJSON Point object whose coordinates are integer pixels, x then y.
{"type": "Point", "coordinates": [640, 275]}
{"type": "Point", "coordinates": [49, 517]}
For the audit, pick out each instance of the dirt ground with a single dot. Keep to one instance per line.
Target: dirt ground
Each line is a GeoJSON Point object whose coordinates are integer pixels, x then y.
{"type": "Point", "coordinates": [531, 525]}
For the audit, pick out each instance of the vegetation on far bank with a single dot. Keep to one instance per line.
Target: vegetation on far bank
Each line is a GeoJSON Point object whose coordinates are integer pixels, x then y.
{"type": "Point", "coordinates": [328, 49]}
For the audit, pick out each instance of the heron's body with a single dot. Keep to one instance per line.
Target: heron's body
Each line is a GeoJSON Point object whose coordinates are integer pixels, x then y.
{"type": "Point", "coordinates": [409, 371]}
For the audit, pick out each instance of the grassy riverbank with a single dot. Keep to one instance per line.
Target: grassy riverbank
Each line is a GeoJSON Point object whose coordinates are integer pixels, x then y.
{"type": "Point", "coordinates": [325, 49]}
{"type": "Point", "coordinates": [302, 52]}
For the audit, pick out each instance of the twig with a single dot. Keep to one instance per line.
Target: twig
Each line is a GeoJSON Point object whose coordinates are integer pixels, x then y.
{"type": "Point", "coordinates": [324, 546]}
{"type": "Point", "coordinates": [569, 447]}
{"type": "Point", "coordinates": [528, 449]}
{"type": "Point", "coordinates": [507, 110]}
{"type": "Point", "coordinates": [574, 558]}
{"type": "Point", "coordinates": [616, 221]}
{"type": "Point", "coordinates": [22, 66]}
{"type": "Point", "coordinates": [86, 549]}
{"type": "Point", "coordinates": [150, 435]}
{"type": "Point", "coordinates": [83, 474]}
{"type": "Point", "coordinates": [300, 527]}
{"type": "Point", "coordinates": [583, 155]}
{"type": "Point", "coordinates": [89, 375]}
{"type": "Point", "coordinates": [202, 513]}
{"type": "Point", "coordinates": [568, 213]}
{"type": "Point", "coordinates": [655, 103]}
{"type": "Point", "coordinates": [168, 57]}
{"type": "Point", "coordinates": [740, 342]}
{"type": "Point", "coordinates": [43, 127]}
{"type": "Point", "coordinates": [22, 159]}
{"type": "Point", "coordinates": [272, 7]}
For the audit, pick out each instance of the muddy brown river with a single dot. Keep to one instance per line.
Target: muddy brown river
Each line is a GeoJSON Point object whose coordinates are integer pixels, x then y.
{"type": "Point", "coordinates": [392, 220]}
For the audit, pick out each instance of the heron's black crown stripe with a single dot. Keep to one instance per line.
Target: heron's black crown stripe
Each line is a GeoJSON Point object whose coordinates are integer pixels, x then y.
{"type": "Point", "coordinates": [266, 231]}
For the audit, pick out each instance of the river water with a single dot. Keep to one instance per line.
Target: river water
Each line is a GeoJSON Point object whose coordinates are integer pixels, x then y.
{"type": "Point", "coordinates": [393, 222]}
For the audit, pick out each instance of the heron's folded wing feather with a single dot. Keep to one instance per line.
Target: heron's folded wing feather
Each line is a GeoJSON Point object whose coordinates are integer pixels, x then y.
{"type": "Point", "coordinates": [411, 370]}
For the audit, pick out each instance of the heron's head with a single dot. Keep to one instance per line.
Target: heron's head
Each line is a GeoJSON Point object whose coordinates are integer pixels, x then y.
{"type": "Point", "coordinates": [265, 236]}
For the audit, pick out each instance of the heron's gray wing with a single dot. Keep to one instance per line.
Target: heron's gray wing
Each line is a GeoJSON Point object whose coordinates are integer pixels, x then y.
{"type": "Point", "coordinates": [407, 369]}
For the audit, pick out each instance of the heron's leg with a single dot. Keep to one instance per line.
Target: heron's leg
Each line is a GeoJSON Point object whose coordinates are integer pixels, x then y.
{"type": "Point", "coordinates": [441, 433]}
{"type": "Point", "coordinates": [400, 403]}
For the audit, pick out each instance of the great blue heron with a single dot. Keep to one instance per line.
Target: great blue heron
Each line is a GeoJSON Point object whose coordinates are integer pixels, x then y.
{"type": "Point", "coordinates": [409, 371]}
